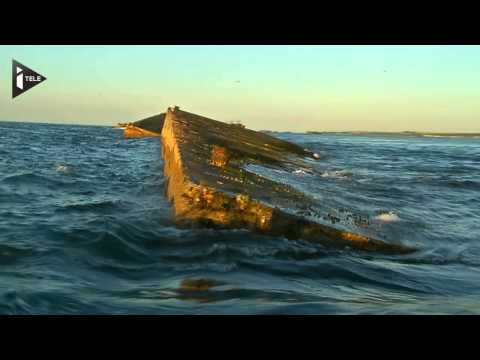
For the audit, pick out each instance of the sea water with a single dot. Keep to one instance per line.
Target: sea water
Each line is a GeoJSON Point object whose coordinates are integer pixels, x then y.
{"type": "Point", "coordinates": [85, 228]}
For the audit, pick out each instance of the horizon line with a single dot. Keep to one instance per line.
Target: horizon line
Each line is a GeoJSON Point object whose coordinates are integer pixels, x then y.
{"type": "Point", "coordinates": [404, 132]}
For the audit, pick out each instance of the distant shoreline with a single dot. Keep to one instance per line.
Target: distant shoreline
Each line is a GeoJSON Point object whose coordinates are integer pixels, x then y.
{"type": "Point", "coordinates": [383, 133]}
{"type": "Point", "coordinates": [357, 133]}
{"type": "Point", "coordinates": [402, 133]}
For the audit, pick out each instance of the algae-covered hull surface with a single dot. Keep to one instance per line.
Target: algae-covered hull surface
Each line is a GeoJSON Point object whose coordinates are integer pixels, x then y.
{"type": "Point", "coordinates": [215, 178]}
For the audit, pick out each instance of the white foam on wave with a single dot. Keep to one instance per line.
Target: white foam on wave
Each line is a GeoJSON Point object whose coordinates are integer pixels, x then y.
{"type": "Point", "coordinates": [337, 174]}
{"type": "Point", "coordinates": [62, 168]}
{"type": "Point", "coordinates": [300, 172]}
{"type": "Point", "coordinates": [387, 217]}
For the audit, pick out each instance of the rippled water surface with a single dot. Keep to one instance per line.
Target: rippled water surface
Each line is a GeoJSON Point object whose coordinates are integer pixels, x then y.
{"type": "Point", "coordinates": [85, 229]}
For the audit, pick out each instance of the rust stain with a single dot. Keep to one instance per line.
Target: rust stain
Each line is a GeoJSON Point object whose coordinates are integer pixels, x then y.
{"type": "Point", "coordinates": [220, 156]}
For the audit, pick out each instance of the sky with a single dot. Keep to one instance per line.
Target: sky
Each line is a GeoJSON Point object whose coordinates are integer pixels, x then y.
{"type": "Point", "coordinates": [283, 88]}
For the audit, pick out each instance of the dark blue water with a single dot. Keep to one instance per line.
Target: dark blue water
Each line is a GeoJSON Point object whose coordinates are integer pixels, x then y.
{"type": "Point", "coordinates": [85, 229]}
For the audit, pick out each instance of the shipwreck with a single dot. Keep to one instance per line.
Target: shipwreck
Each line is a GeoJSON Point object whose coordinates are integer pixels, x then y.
{"type": "Point", "coordinates": [209, 184]}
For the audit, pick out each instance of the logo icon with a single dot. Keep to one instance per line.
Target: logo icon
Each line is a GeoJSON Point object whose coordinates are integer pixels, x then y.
{"type": "Point", "coordinates": [24, 78]}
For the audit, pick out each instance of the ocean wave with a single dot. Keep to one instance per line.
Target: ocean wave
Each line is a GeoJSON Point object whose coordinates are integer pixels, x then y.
{"type": "Point", "coordinates": [444, 256]}
{"type": "Point", "coordinates": [449, 182]}
{"type": "Point", "coordinates": [466, 184]}
{"type": "Point", "coordinates": [91, 205]}
{"type": "Point", "coordinates": [30, 178]}
{"type": "Point", "coordinates": [55, 301]}
{"type": "Point", "coordinates": [113, 247]}
{"type": "Point", "coordinates": [11, 254]}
